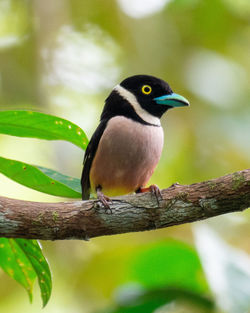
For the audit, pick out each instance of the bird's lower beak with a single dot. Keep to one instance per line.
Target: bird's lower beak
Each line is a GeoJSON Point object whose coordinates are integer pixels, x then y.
{"type": "Point", "coordinates": [173, 100]}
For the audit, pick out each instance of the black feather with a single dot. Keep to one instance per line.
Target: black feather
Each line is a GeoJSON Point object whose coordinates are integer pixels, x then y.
{"type": "Point", "coordinates": [89, 156]}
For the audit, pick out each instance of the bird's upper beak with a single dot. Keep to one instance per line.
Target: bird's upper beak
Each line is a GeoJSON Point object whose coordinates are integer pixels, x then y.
{"type": "Point", "coordinates": [173, 100]}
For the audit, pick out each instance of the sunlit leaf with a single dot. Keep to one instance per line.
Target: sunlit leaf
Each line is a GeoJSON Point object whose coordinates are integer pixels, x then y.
{"type": "Point", "coordinates": [23, 260]}
{"type": "Point", "coordinates": [42, 126]}
{"type": "Point", "coordinates": [33, 252]}
{"type": "Point", "coordinates": [40, 178]}
{"type": "Point", "coordinates": [71, 182]}
{"type": "Point", "coordinates": [16, 264]}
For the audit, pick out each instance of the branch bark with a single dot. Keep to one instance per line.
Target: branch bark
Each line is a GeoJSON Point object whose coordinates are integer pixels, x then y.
{"type": "Point", "coordinates": [130, 213]}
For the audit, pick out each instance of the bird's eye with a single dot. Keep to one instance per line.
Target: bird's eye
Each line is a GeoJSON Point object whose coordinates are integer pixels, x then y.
{"type": "Point", "coordinates": [146, 89]}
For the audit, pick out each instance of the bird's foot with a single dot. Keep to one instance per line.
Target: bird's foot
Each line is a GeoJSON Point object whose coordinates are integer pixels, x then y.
{"type": "Point", "coordinates": [104, 200]}
{"type": "Point", "coordinates": [154, 189]}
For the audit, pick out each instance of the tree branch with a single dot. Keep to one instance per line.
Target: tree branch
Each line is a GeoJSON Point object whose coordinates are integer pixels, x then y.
{"type": "Point", "coordinates": [131, 213]}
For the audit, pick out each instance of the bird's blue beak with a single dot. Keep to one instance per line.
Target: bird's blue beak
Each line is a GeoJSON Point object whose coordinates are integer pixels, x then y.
{"type": "Point", "coordinates": [173, 100]}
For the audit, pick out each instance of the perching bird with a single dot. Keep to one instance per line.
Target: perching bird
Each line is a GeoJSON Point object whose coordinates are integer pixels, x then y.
{"type": "Point", "coordinates": [126, 146]}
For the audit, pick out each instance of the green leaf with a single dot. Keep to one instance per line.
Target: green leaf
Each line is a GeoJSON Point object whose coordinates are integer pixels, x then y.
{"type": "Point", "coordinates": [147, 301]}
{"type": "Point", "coordinates": [163, 272]}
{"type": "Point", "coordinates": [40, 178]}
{"type": "Point", "coordinates": [42, 126]}
{"type": "Point", "coordinates": [23, 260]}
{"type": "Point", "coordinates": [33, 252]}
{"type": "Point", "coordinates": [168, 263]}
{"type": "Point", "coordinates": [16, 264]}
{"type": "Point", "coordinates": [71, 182]}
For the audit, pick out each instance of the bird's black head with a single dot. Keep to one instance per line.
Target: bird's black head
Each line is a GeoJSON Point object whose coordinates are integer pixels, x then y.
{"type": "Point", "coordinates": [143, 95]}
{"type": "Point", "coordinates": [153, 94]}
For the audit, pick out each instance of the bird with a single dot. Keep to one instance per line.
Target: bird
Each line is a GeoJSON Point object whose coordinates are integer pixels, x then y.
{"type": "Point", "coordinates": [127, 144]}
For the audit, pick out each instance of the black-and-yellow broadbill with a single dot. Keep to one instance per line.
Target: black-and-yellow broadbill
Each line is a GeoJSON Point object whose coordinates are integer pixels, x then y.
{"type": "Point", "coordinates": [127, 144]}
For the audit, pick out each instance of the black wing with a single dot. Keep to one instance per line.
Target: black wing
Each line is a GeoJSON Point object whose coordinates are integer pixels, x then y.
{"type": "Point", "coordinates": [88, 158]}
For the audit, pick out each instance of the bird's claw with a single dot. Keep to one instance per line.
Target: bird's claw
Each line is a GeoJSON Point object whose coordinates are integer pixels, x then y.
{"type": "Point", "coordinates": [155, 190]}
{"type": "Point", "coordinates": [104, 201]}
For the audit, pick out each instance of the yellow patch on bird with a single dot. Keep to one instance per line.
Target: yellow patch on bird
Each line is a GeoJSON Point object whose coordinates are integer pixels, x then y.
{"type": "Point", "coordinates": [114, 192]}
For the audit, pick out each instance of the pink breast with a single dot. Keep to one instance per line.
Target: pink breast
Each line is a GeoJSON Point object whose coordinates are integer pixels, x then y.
{"type": "Point", "coordinates": [126, 157]}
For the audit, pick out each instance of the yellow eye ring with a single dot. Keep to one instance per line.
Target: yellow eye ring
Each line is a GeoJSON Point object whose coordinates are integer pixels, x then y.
{"type": "Point", "coordinates": [146, 89]}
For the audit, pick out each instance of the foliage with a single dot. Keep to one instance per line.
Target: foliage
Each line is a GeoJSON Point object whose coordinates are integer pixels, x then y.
{"type": "Point", "coordinates": [179, 277]}
{"type": "Point", "coordinates": [179, 266]}
{"type": "Point", "coordinates": [42, 126]}
{"type": "Point", "coordinates": [40, 178]}
{"type": "Point", "coordinates": [23, 259]}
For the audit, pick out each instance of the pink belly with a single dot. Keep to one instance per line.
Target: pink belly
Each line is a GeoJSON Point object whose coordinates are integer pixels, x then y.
{"type": "Point", "coordinates": [126, 157]}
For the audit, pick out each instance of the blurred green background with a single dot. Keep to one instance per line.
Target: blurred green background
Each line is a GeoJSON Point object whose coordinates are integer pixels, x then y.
{"type": "Point", "coordinates": [63, 57]}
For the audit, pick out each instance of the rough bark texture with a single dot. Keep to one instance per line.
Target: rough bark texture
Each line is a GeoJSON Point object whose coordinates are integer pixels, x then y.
{"type": "Point", "coordinates": [131, 213]}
